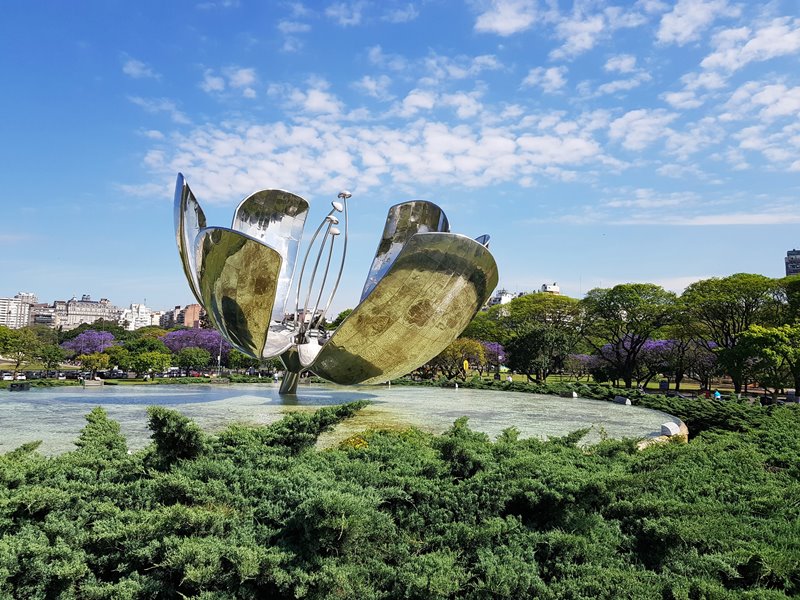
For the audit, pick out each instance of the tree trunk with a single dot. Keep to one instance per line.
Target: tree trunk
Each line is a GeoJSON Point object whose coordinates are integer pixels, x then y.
{"type": "Point", "coordinates": [678, 379]}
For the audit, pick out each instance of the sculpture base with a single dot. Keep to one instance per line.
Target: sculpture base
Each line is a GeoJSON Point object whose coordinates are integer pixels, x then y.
{"type": "Point", "coordinates": [289, 382]}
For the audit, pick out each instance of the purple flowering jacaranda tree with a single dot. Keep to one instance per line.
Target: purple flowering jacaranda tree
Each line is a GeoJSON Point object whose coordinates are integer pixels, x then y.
{"type": "Point", "coordinates": [89, 342]}
{"type": "Point", "coordinates": [207, 339]}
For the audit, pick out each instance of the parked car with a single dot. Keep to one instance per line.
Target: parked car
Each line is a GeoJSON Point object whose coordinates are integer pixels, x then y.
{"type": "Point", "coordinates": [21, 376]}
{"type": "Point", "coordinates": [8, 377]}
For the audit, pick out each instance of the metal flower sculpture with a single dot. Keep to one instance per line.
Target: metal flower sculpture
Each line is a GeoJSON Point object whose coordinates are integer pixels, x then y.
{"type": "Point", "coordinates": [424, 287]}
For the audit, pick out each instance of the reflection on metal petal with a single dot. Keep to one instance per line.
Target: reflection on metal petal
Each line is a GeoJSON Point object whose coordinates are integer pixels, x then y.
{"type": "Point", "coordinates": [276, 218]}
{"type": "Point", "coordinates": [189, 220]}
{"type": "Point", "coordinates": [279, 339]}
{"type": "Point", "coordinates": [403, 221]}
{"type": "Point", "coordinates": [237, 277]}
{"type": "Point", "coordinates": [429, 295]}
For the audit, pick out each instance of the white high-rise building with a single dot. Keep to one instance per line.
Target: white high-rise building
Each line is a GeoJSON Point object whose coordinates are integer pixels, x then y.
{"type": "Point", "coordinates": [14, 312]}
{"type": "Point", "coordinates": [138, 315]}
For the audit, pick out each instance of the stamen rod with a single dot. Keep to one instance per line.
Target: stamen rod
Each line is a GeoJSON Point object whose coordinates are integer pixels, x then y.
{"type": "Point", "coordinates": [344, 196]}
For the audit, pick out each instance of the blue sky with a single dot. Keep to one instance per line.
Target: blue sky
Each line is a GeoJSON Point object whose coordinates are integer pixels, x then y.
{"type": "Point", "coordinates": [596, 142]}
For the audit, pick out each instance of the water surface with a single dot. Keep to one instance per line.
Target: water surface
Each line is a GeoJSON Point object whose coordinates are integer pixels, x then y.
{"type": "Point", "coordinates": [56, 415]}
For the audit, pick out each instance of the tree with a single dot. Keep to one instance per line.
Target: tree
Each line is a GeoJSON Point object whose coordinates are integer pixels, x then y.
{"type": "Point", "coordinates": [94, 362]}
{"type": "Point", "coordinates": [148, 331]}
{"type": "Point", "coordinates": [495, 354]}
{"type": "Point", "coordinates": [111, 327]}
{"type": "Point", "coordinates": [338, 320]}
{"type": "Point", "coordinates": [239, 360]}
{"type": "Point", "coordinates": [484, 326]}
{"type": "Point", "coordinates": [777, 350]}
{"type": "Point", "coordinates": [519, 315]}
{"type": "Point", "coordinates": [119, 356]}
{"type": "Point", "coordinates": [145, 344]}
{"type": "Point", "coordinates": [540, 350]}
{"type": "Point", "coordinates": [146, 362]}
{"type": "Point", "coordinates": [207, 339]}
{"type": "Point", "coordinates": [89, 342]}
{"type": "Point", "coordinates": [579, 365]}
{"type": "Point", "coordinates": [193, 358]}
{"type": "Point", "coordinates": [6, 333]}
{"type": "Point", "coordinates": [451, 360]}
{"type": "Point", "coordinates": [46, 335]}
{"type": "Point", "coordinates": [789, 296]}
{"type": "Point", "coordinates": [724, 308]}
{"type": "Point", "coordinates": [21, 347]}
{"type": "Point", "coordinates": [51, 356]}
{"type": "Point", "coordinates": [620, 320]}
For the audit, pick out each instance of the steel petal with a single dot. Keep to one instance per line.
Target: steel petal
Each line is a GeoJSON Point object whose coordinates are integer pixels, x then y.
{"type": "Point", "coordinates": [276, 218]}
{"type": "Point", "coordinates": [238, 278]}
{"type": "Point", "coordinates": [429, 295]}
{"type": "Point", "coordinates": [403, 221]}
{"type": "Point", "coordinates": [189, 220]}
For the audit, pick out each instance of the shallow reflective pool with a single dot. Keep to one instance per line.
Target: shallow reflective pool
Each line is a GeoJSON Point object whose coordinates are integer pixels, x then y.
{"type": "Point", "coordinates": [56, 415]}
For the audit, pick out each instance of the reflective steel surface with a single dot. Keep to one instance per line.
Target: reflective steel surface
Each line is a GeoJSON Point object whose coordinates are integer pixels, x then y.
{"type": "Point", "coordinates": [429, 295]}
{"type": "Point", "coordinates": [403, 221]}
{"type": "Point", "coordinates": [238, 278]}
{"type": "Point", "coordinates": [276, 218]}
{"type": "Point", "coordinates": [189, 220]}
{"type": "Point", "coordinates": [424, 286]}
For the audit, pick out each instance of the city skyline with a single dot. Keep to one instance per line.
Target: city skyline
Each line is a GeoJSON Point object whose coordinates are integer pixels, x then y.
{"type": "Point", "coordinates": [596, 142]}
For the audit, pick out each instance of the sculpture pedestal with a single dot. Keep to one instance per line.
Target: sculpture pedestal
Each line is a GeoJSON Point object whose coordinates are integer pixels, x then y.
{"type": "Point", "coordinates": [289, 382]}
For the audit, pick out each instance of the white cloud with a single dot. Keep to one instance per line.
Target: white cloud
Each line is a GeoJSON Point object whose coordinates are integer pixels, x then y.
{"type": "Point", "coordinates": [346, 14]}
{"type": "Point", "coordinates": [579, 35]}
{"type": "Point", "coordinates": [393, 62]}
{"type": "Point", "coordinates": [689, 18]}
{"type": "Point", "coordinates": [377, 87]}
{"type": "Point", "coordinates": [735, 48]}
{"type": "Point", "coordinates": [308, 154]}
{"type": "Point", "coordinates": [438, 67]}
{"type": "Point", "coordinates": [402, 15]}
{"type": "Point", "coordinates": [290, 27]}
{"type": "Point", "coordinates": [581, 32]}
{"type": "Point", "coordinates": [637, 129]}
{"type": "Point", "coordinates": [649, 198]}
{"type": "Point", "coordinates": [212, 83]}
{"type": "Point", "coordinates": [621, 63]}
{"type": "Point", "coordinates": [240, 77]}
{"type": "Point", "coordinates": [290, 30]}
{"type": "Point", "coordinates": [233, 78]}
{"type": "Point", "coordinates": [138, 70]}
{"type": "Point", "coordinates": [623, 85]}
{"type": "Point", "coordinates": [697, 137]}
{"type": "Point", "coordinates": [778, 101]}
{"type": "Point", "coordinates": [222, 4]}
{"type": "Point", "coordinates": [158, 105]}
{"type": "Point", "coordinates": [417, 100]}
{"type": "Point", "coordinates": [153, 134]}
{"type": "Point", "coordinates": [466, 105]}
{"type": "Point", "coordinates": [314, 100]}
{"type": "Point", "coordinates": [551, 80]}
{"type": "Point", "coordinates": [735, 218]}
{"type": "Point", "coordinates": [507, 17]}
{"type": "Point", "coordinates": [771, 100]}
{"type": "Point", "coordinates": [695, 89]}
{"type": "Point", "coordinates": [145, 190]}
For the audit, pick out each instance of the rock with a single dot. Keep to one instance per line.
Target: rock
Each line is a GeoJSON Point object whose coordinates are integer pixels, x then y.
{"type": "Point", "coordinates": [669, 428]}
{"type": "Point", "coordinates": [622, 400]}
